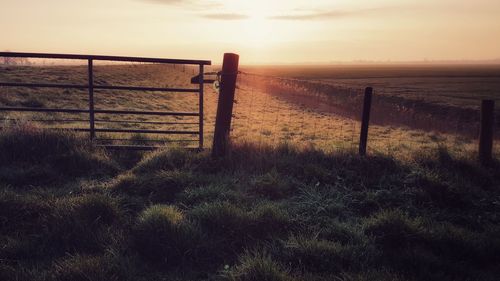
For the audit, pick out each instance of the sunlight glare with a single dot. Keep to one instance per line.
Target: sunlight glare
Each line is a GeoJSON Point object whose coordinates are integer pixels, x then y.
{"type": "Point", "coordinates": [257, 31]}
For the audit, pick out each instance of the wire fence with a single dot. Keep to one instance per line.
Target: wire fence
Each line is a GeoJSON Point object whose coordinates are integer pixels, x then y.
{"type": "Point", "coordinates": [272, 110]}
{"type": "Point", "coordinates": [276, 111]}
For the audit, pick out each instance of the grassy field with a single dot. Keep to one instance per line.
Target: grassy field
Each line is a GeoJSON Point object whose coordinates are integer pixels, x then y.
{"type": "Point", "coordinates": [268, 110]}
{"type": "Point", "coordinates": [70, 211]}
{"type": "Point", "coordinates": [292, 201]}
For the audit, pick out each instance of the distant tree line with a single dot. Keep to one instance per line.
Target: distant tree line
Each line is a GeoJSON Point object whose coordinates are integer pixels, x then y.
{"type": "Point", "coordinates": [14, 61]}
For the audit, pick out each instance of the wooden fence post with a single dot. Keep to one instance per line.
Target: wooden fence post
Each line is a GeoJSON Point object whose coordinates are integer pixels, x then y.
{"type": "Point", "coordinates": [486, 133]}
{"type": "Point", "coordinates": [91, 98]}
{"type": "Point", "coordinates": [225, 104]}
{"type": "Point", "coordinates": [200, 104]}
{"type": "Point", "coordinates": [365, 120]}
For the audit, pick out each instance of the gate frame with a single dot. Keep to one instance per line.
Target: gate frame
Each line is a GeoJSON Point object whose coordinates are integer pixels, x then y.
{"type": "Point", "coordinates": [91, 87]}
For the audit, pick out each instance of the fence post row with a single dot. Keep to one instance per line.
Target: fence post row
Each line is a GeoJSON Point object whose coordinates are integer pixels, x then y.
{"type": "Point", "coordinates": [225, 104]}
{"type": "Point", "coordinates": [486, 133]}
{"type": "Point", "coordinates": [365, 121]}
{"type": "Point", "coordinates": [91, 98]}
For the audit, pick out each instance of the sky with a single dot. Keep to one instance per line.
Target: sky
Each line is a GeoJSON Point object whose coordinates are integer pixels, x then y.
{"type": "Point", "coordinates": [260, 31]}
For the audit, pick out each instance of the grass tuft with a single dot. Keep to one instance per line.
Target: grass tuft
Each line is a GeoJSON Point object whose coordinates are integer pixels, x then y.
{"type": "Point", "coordinates": [239, 225]}
{"type": "Point", "coordinates": [83, 224]}
{"type": "Point", "coordinates": [258, 267]}
{"type": "Point", "coordinates": [84, 268]}
{"type": "Point", "coordinates": [270, 185]}
{"type": "Point", "coordinates": [393, 229]}
{"type": "Point", "coordinates": [222, 218]}
{"type": "Point", "coordinates": [163, 235]}
{"type": "Point", "coordinates": [320, 256]}
{"type": "Point", "coordinates": [161, 186]}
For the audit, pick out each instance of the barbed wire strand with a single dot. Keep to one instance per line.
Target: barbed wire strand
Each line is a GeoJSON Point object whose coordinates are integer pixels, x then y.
{"type": "Point", "coordinates": [265, 101]}
{"type": "Point", "coordinates": [236, 114]}
{"type": "Point", "coordinates": [250, 110]}
{"type": "Point", "coordinates": [276, 132]}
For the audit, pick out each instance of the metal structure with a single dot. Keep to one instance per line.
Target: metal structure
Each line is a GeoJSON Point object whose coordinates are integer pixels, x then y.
{"type": "Point", "coordinates": [91, 87]}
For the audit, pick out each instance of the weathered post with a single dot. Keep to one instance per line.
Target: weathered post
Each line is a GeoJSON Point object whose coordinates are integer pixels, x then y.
{"type": "Point", "coordinates": [200, 104]}
{"type": "Point", "coordinates": [365, 120]}
{"type": "Point", "coordinates": [229, 75]}
{"type": "Point", "coordinates": [91, 98]}
{"type": "Point", "coordinates": [486, 133]}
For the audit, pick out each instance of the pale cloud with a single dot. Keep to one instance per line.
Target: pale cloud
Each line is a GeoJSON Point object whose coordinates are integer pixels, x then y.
{"type": "Point", "coordinates": [217, 10]}
{"type": "Point", "coordinates": [194, 4]}
{"type": "Point", "coordinates": [312, 16]}
{"type": "Point", "coordinates": [203, 5]}
{"type": "Point", "coordinates": [168, 2]}
{"type": "Point", "coordinates": [331, 14]}
{"type": "Point", "coordinates": [225, 16]}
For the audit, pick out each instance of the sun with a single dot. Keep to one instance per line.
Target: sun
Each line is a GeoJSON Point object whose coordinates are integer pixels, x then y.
{"type": "Point", "coordinates": [256, 30]}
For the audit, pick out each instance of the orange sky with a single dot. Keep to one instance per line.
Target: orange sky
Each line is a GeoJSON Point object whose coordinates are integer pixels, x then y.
{"type": "Point", "coordinates": [261, 31]}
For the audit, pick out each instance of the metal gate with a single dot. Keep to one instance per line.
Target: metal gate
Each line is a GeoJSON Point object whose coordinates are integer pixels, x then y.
{"type": "Point", "coordinates": [94, 116]}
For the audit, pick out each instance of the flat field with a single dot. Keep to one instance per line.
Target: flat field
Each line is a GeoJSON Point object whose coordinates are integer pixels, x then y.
{"type": "Point", "coordinates": [304, 106]}
{"type": "Point", "coordinates": [458, 85]}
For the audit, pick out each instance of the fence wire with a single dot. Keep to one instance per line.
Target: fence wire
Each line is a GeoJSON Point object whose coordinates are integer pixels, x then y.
{"type": "Point", "coordinates": [273, 111]}
{"type": "Point", "coordinates": [276, 111]}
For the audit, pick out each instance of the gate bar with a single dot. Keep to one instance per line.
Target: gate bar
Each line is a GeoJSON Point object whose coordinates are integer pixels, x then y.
{"type": "Point", "coordinates": [135, 131]}
{"type": "Point", "coordinates": [103, 58]}
{"type": "Point", "coordinates": [102, 121]}
{"type": "Point", "coordinates": [98, 87]}
{"type": "Point", "coordinates": [104, 111]}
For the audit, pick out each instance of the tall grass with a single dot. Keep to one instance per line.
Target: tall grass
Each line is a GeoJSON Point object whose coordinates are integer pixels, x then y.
{"type": "Point", "coordinates": [30, 153]}
{"type": "Point", "coordinates": [262, 213]}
